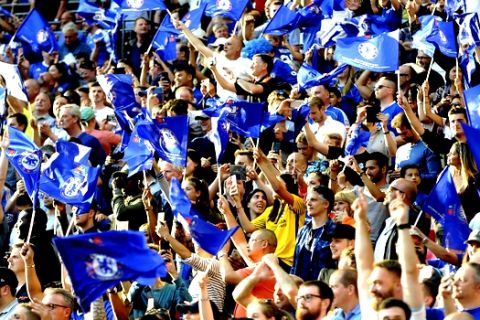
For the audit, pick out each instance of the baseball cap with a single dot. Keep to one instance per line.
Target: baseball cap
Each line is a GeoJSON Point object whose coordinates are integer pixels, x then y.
{"type": "Point", "coordinates": [8, 278]}
{"type": "Point", "coordinates": [343, 231]}
{"type": "Point", "coordinates": [86, 114]}
{"type": "Point", "coordinates": [474, 236]}
{"type": "Point", "coordinates": [201, 116]}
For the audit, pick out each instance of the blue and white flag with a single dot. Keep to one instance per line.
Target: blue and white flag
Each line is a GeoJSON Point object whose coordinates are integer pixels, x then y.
{"type": "Point", "coordinates": [119, 90]}
{"type": "Point", "coordinates": [165, 40]}
{"type": "Point", "coordinates": [227, 8]}
{"type": "Point", "coordinates": [205, 234]}
{"type": "Point", "coordinates": [137, 5]}
{"type": "Point", "coordinates": [97, 262]}
{"type": "Point", "coordinates": [379, 54]}
{"type": "Point", "coordinates": [284, 21]}
{"type": "Point", "coordinates": [26, 158]}
{"type": "Point", "coordinates": [138, 154]}
{"type": "Point", "coordinates": [78, 153]}
{"type": "Point", "coordinates": [36, 32]}
{"type": "Point", "coordinates": [94, 14]}
{"type": "Point", "coordinates": [3, 109]}
{"type": "Point", "coordinates": [219, 136]}
{"type": "Point", "coordinates": [308, 77]}
{"type": "Point", "coordinates": [469, 31]}
{"type": "Point", "coordinates": [444, 205]}
{"type": "Point", "coordinates": [442, 36]}
{"type": "Point", "coordinates": [15, 86]}
{"type": "Point", "coordinates": [69, 182]}
{"type": "Point", "coordinates": [169, 137]}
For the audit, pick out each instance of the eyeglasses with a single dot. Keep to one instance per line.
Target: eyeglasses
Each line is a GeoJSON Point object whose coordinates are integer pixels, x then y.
{"type": "Point", "coordinates": [391, 188]}
{"type": "Point", "coordinates": [52, 306]}
{"type": "Point", "coordinates": [307, 297]}
{"type": "Point", "coordinates": [381, 86]}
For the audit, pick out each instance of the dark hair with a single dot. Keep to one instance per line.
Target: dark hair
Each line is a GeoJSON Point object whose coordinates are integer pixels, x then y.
{"type": "Point", "coordinates": [403, 170]}
{"type": "Point", "coordinates": [183, 66]}
{"type": "Point", "coordinates": [63, 70]}
{"type": "Point", "coordinates": [252, 193]}
{"type": "Point", "coordinates": [335, 91]}
{"type": "Point", "coordinates": [72, 96]}
{"type": "Point", "coordinates": [380, 158]}
{"type": "Point", "coordinates": [179, 107]}
{"type": "Point", "coordinates": [324, 290]}
{"type": "Point", "coordinates": [266, 59]}
{"type": "Point", "coordinates": [21, 119]}
{"type": "Point", "coordinates": [458, 110]}
{"type": "Point", "coordinates": [326, 194]}
{"type": "Point", "coordinates": [392, 303]}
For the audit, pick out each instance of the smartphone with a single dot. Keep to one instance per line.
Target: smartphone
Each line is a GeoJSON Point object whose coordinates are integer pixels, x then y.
{"type": "Point", "coordinates": [276, 147]}
{"type": "Point", "coordinates": [239, 172]}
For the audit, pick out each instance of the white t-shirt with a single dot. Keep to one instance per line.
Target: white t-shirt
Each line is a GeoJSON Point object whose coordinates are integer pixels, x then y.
{"type": "Point", "coordinates": [329, 126]}
{"type": "Point", "coordinates": [230, 70]}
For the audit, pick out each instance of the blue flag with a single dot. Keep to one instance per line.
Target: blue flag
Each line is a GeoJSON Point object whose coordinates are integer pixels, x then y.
{"type": "Point", "coordinates": [77, 152]}
{"type": "Point", "coordinates": [97, 262]}
{"type": "Point", "coordinates": [359, 138]}
{"type": "Point", "coordinates": [205, 234]}
{"type": "Point", "coordinates": [379, 54]}
{"type": "Point", "coordinates": [94, 14]}
{"type": "Point", "coordinates": [469, 31]}
{"type": "Point", "coordinates": [193, 18]}
{"type": "Point", "coordinates": [269, 120]}
{"type": "Point", "coordinates": [443, 37]}
{"type": "Point", "coordinates": [69, 182]}
{"type": "Point", "coordinates": [4, 12]}
{"type": "Point", "coordinates": [226, 8]}
{"type": "Point", "coordinates": [165, 40]}
{"type": "Point", "coordinates": [119, 90]}
{"type": "Point", "coordinates": [3, 109]}
{"type": "Point", "coordinates": [137, 5]}
{"type": "Point", "coordinates": [473, 136]}
{"type": "Point", "coordinates": [219, 136]}
{"type": "Point", "coordinates": [443, 204]}
{"type": "Point", "coordinates": [36, 32]}
{"type": "Point", "coordinates": [169, 138]}
{"type": "Point", "coordinates": [308, 77]}
{"type": "Point", "coordinates": [472, 103]}
{"type": "Point", "coordinates": [284, 21]}
{"type": "Point", "coordinates": [419, 39]}
{"type": "Point", "coordinates": [138, 154]}
{"type": "Point", "coordinates": [468, 65]}
{"type": "Point", "coordinates": [26, 158]}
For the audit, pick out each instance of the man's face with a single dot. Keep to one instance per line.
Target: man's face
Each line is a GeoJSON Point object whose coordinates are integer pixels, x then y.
{"type": "Point", "coordinates": [296, 163]}
{"type": "Point", "coordinates": [394, 313]}
{"type": "Point", "coordinates": [42, 103]}
{"type": "Point", "coordinates": [383, 88]}
{"type": "Point", "coordinates": [141, 27]}
{"type": "Point", "coordinates": [258, 66]}
{"type": "Point", "coordinates": [15, 261]}
{"type": "Point", "coordinates": [337, 245]}
{"type": "Point", "coordinates": [170, 171]}
{"type": "Point", "coordinates": [406, 134]}
{"type": "Point", "coordinates": [58, 308]}
{"type": "Point", "coordinates": [316, 113]}
{"type": "Point", "coordinates": [340, 292]}
{"type": "Point", "coordinates": [182, 78]}
{"type": "Point", "coordinates": [423, 60]}
{"type": "Point", "coordinates": [97, 95]}
{"type": "Point", "coordinates": [393, 192]}
{"type": "Point", "coordinates": [67, 120]}
{"type": "Point", "coordinates": [464, 284]}
{"type": "Point", "coordinates": [373, 171]}
{"type": "Point", "coordinates": [322, 93]}
{"type": "Point", "coordinates": [382, 285]}
{"type": "Point", "coordinates": [455, 121]}
{"type": "Point", "coordinates": [316, 204]}
{"type": "Point", "coordinates": [70, 37]}
{"type": "Point", "coordinates": [255, 246]}
{"type": "Point", "coordinates": [308, 303]}
{"type": "Point", "coordinates": [405, 75]}
{"type": "Point", "coordinates": [280, 299]}
{"type": "Point", "coordinates": [243, 160]}
{"type": "Point", "coordinates": [305, 150]}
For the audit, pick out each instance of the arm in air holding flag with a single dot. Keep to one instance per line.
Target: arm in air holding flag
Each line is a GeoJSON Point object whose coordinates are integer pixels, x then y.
{"type": "Point", "coordinates": [34, 288]}
{"type": "Point", "coordinates": [5, 142]}
{"type": "Point", "coordinates": [197, 43]}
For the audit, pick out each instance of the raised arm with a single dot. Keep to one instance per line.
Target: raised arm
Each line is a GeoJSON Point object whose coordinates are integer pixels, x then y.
{"type": "Point", "coordinates": [34, 288]}
{"type": "Point", "coordinates": [411, 288]}
{"type": "Point", "coordinates": [363, 250]}
{"type": "Point", "coordinates": [411, 116]}
{"type": "Point", "coordinates": [313, 141]}
{"type": "Point", "coordinates": [179, 248]}
{"type": "Point", "coordinates": [197, 43]}
{"type": "Point", "coordinates": [287, 285]}
{"type": "Point", "coordinates": [224, 83]}
{"type": "Point", "coordinates": [375, 191]}
{"type": "Point", "coordinates": [271, 173]}
{"type": "Point", "coordinates": [243, 291]}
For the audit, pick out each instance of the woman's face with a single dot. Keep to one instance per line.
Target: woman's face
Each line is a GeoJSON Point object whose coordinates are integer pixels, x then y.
{"type": "Point", "coordinates": [453, 158]}
{"type": "Point", "coordinates": [341, 206]}
{"type": "Point", "coordinates": [258, 203]}
{"type": "Point", "coordinates": [190, 168]}
{"type": "Point", "coordinates": [191, 192]}
{"type": "Point", "coordinates": [413, 175]}
{"type": "Point", "coordinates": [254, 311]}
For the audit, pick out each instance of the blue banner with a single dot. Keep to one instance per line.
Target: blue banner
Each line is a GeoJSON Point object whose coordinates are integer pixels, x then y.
{"type": "Point", "coordinates": [36, 32]}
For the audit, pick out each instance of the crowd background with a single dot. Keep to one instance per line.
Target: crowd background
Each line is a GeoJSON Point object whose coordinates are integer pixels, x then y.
{"type": "Point", "coordinates": [358, 199]}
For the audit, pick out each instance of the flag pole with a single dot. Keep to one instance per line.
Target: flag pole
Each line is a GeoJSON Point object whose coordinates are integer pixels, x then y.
{"type": "Point", "coordinates": [145, 185]}
{"type": "Point", "coordinates": [70, 226]}
{"type": "Point", "coordinates": [254, 147]}
{"type": "Point", "coordinates": [32, 221]}
{"type": "Point", "coordinates": [426, 79]}
{"type": "Point", "coordinates": [418, 218]}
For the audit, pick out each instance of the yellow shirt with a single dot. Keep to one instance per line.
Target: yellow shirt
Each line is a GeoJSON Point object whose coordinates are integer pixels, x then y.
{"type": "Point", "coordinates": [284, 227]}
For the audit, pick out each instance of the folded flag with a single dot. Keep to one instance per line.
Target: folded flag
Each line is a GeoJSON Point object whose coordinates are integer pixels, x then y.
{"type": "Point", "coordinates": [205, 234]}
{"type": "Point", "coordinates": [472, 103]}
{"type": "Point", "coordinates": [94, 14]}
{"type": "Point", "coordinates": [308, 77]}
{"type": "Point", "coordinates": [226, 8]}
{"type": "Point", "coordinates": [15, 86]}
{"type": "Point", "coordinates": [97, 262]}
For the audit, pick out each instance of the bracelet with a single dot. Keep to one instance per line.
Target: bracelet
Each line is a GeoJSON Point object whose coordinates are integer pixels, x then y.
{"type": "Point", "coordinates": [221, 255]}
{"type": "Point", "coordinates": [204, 299]}
{"type": "Point", "coordinates": [32, 266]}
{"type": "Point", "coordinates": [386, 132]}
{"type": "Point", "coordinates": [333, 179]}
{"type": "Point", "coordinates": [425, 240]}
{"type": "Point", "coordinates": [403, 226]}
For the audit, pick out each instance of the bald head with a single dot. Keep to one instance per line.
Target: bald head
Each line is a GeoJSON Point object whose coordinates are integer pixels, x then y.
{"type": "Point", "coordinates": [233, 47]}
{"type": "Point", "coordinates": [269, 236]}
{"type": "Point", "coordinates": [33, 88]}
{"type": "Point", "coordinates": [459, 316]}
{"type": "Point", "coordinates": [402, 189]}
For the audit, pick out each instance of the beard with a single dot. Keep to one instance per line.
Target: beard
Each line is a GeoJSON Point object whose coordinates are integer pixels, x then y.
{"type": "Point", "coordinates": [378, 297]}
{"type": "Point", "coordinates": [304, 314]}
